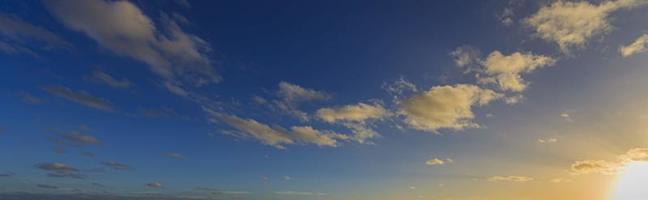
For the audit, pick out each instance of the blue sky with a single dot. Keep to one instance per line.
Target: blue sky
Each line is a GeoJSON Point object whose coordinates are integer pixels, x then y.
{"type": "Point", "coordinates": [321, 99]}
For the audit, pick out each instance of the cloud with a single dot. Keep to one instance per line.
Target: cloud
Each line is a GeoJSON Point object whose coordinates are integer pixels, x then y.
{"type": "Point", "coordinates": [19, 35]}
{"type": "Point", "coordinates": [7, 174]}
{"type": "Point", "coordinates": [121, 27]}
{"type": "Point", "coordinates": [176, 156]}
{"type": "Point", "coordinates": [445, 107]}
{"type": "Point", "coordinates": [251, 128]}
{"type": "Point", "coordinates": [116, 165]}
{"type": "Point", "coordinates": [277, 136]}
{"type": "Point", "coordinates": [593, 166]}
{"type": "Point", "coordinates": [292, 95]}
{"type": "Point", "coordinates": [78, 138]}
{"type": "Point", "coordinates": [437, 161]}
{"type": "Point", "coordinates": [510, 179]}
{"type": "Point", "coordinates": [547, 140]}
{"type": "Point", "coordinates": [638, 46]}
{"type": "Point", "coordinates": [609, 167]}
{"type": "Point", "coordinates": [561, 180]}
{"type": "Point", "coordinates": [399, 88]}
{"type": "Point", "coordinates": [56, 169]}
{"type": "Point", "coordinates": [99, 76]}
{"type": "Point", "coordinates": [466, 56]}
{"type": "Point", "coordinates": [507, 70]}
{"type": "Point", "coordinates": [80, 97]}
{"type": "Point", "coordinates": [155, 185]}
{"type": "Point", "coordinates": [308, 135]}
{"type": "Point", "coordinates": [30, 99]}
{"type": "Point", "coordinates": [571, 24]}
{"type": "Point", "coordinates": [352, 113]}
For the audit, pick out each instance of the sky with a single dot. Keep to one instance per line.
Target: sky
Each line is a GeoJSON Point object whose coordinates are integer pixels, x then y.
{"type": "Point", "coordinates": [321, 100]}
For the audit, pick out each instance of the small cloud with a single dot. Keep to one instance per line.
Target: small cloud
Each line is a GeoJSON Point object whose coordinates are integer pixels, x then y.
{"type": "Point", "coordinates": [175, 155]}
{"type": "Point", "coordinates": [60, 170]}
{"type": "Point", "coordinates": [561, 180]}
{"type": "Point", "coordinates": [299, 193]}
{"type": "Point", "coordinates": [287, 178]}
{"type": "Point", "coordinates": [88, 154]}
{"type": "Point", "coordinates": [81, 97]}
{"type": "Point", "coordinates": [547, 140]}
{"type": "Point", "coordinates": [412, 187]}
{"type": "Point", "coordinates": [78, 138]}
{"type": "Point", "coordinates": [30, 99]}
{"type": "Point", "coordinates": [116, 165]}
{"type": "Point", "coordinates": [154, 185]}
{"type": "Point", "coordinates": [7, 174]}
{"type": "Point", "coordinates": [437, 161]}
{"type": "Point", "coordinates": [566, 117]}
{"type": "Point", "coordinates": [510, 179]}
{"type": "Point", "coordinates": [99, 76]}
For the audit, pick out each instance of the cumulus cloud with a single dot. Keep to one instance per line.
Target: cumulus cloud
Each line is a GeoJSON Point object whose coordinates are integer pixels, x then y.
{"type": "Point", "coordinates": [80, 97]}
{"type": "Point", "coordinates": [121, 27]}
{"type": "Point", "coordinates": [610, 167]}
{"type": "Point", "coordinates": [510, 179]}
{"type": "Point", "coordinates": [507, 70]}
{"type": "Point", "coordinates": [352, 113]}
{"type": "Point", "coordinates": [99, 76]}
{"type": "Point", "coordinates": [277, 136]}
{"type": "Point", "coordinates": [56, 169]}
{"type": "Point", "coordinates": [638, 46]}
{"type": "Point", "coordinates": [18, 35]}
{"type": "Point", "coordinates": [116, 165]}
{"type": "Point", "coordinates": [571, 24]}
{"type": "Point", "coordinates": [445, 107]}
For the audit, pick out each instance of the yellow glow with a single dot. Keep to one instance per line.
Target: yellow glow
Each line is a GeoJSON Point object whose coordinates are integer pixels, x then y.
{"type": "Point", "coordinates": [632, 182]}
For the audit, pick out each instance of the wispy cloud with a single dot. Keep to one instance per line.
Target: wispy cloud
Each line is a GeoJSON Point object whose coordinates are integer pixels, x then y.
{"type": "Point", "coordinates": [510, 179]}
{"type": "Point", "coordinates": [20, 35]}
{"type": "Point", "coordinates": [636, 47]}
{"type": "Point", "coordinates": [116, 165]}
{"type": "Point", "coordinates": [80, 97]}
{"type": "Point", "coordinates": [30, 99]}
{"type": "Point", "coordinates": [102, 77]}
{"type": "Point", "coordinates": [56, 169]}
{"type": "Point", "coordinates": [609, 167]}
{"type": "Point", "coordinates": [437, 161]}
{"type": "Point", "coordinates": [154, 185]}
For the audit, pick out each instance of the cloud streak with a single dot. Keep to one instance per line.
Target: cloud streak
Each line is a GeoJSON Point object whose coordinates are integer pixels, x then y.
{"type": "Point", "coordinates": [81, 97]}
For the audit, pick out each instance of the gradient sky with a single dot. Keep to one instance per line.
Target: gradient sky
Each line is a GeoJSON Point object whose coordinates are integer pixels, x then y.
{"type": "Point", "coordinates": [331, 100]}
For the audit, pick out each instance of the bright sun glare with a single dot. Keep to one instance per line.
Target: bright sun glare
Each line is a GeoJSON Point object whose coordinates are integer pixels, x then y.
{"type": "Point", "coordinates": [632, 182]}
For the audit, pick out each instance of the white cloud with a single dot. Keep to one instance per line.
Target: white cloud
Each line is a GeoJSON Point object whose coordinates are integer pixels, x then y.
{"type": "Point", "coordinates": [571, 24]}
{"type": "Point", "coordinates": [547, 140]}
{"type": "Point", "coordinates": [638, 46]}
{"type": "Point", "coordinates": [445, 107]}
{"type": "Point", "coordinates": [352, 113]}
{"type": "Point", "coordinates": [510, 179]}
{"type": "Point", "coordinates": [507, 70]}
{"type": "Point", "coordinates": [610, 167]}
{"type": "Point", "coordinates": [123, 28]}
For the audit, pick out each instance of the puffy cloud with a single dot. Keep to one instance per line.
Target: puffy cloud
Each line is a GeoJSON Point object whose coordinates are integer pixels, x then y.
{"type": "Point", "coordinates": [105, 78]}
{"type": "Point", "coordinates": [352, 113]}
{"type": "Point", "coordinates": [570, 24]}
{"type": "Point", "coordinates": [56, 169]}
{"type": "Point", "coordinates": [116, 165]}
{"type": "Point", "coordinates": [80, 97]}
{"type": "Point", "coordinates": [638, 46]}
{"type": "Point", "coordinates": [277, 136]}
{"type": "Point", "coordinates": [510, 179]}
{"type": "Point", "coordinates": [445, 107]}
{"type": "Point", "coordinates": [437, 161]}
{"type": "Point", "coordinates": [636, 154]}
{"type": "Point", "coordinates": [121, 27]}
{"type": "Point", "coordinates": [506, 70]}
{"type": "Point", "coordinates": [154, 185]}
{"type": "Point", "coordinates": [18, 34]}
